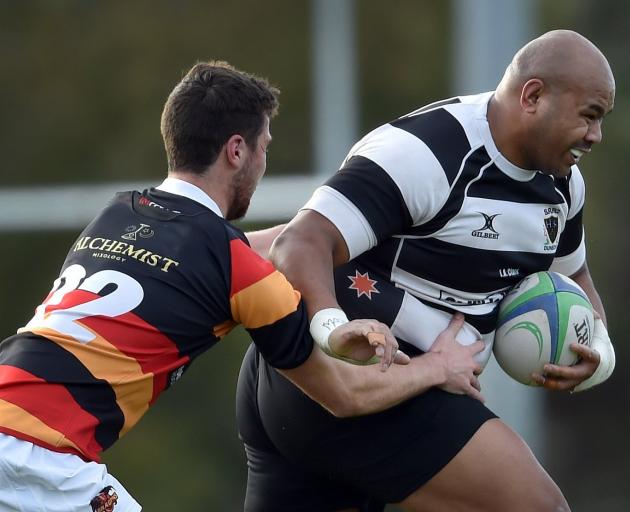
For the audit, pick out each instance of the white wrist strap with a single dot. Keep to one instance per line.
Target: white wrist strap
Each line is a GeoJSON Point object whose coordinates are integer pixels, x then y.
{"type": "Point", "coordinates": [601, 343]}
{"type": "Point", "coordinates": [323, 323]}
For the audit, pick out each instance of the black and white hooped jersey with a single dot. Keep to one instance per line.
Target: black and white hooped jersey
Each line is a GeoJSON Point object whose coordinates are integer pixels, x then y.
{"type": "Point", "coordinates": [428, 203]}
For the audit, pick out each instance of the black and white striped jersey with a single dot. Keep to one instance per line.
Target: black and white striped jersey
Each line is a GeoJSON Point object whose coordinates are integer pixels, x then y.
{"type": "Point", "coordinates": [428, 203]}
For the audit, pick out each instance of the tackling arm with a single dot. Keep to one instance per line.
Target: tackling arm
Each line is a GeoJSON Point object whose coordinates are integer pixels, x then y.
{"type": "Point", "coordinates": [349, 390]}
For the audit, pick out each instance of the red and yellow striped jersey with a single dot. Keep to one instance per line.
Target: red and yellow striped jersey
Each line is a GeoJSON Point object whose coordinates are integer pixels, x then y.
{"type": "Point", "coordinates": [155, 280]}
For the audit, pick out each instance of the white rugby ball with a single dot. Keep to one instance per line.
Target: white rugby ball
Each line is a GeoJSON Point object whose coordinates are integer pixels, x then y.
{"type": "Point", "coordinates": [538, 321]}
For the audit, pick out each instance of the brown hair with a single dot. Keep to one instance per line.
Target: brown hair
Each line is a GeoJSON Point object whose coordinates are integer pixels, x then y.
{"type": "Point", "coordinates": [213, 102]}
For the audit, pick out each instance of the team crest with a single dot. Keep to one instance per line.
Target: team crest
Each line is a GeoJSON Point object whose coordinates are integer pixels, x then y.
{"type": "Point", "coordinates": [362, 284]}
{"type": "Point", "coordinates": [104, 501]}
{"type": "Point", "coordinates": [551, 228]}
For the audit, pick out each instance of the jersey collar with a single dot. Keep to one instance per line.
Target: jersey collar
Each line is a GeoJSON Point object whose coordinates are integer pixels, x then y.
{"type": "Point", "coordinates": [186, 189]}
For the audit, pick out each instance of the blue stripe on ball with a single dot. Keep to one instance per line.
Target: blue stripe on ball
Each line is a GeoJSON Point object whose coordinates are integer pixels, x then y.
{"type": "Point", "coordinates": [562, 286]}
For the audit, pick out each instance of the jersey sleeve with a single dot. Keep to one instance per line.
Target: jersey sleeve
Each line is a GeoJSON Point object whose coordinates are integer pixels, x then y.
{"type": "Point", "coordinates": [265, 303]}
{"type": "Point", "coordinates": [571, 252]}
{"type": "Point", "coordinates": [390, 181]}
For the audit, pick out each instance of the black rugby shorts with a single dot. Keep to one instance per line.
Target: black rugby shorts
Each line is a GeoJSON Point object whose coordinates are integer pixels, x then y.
{"type": "Point", "coordinates": [301, 458]}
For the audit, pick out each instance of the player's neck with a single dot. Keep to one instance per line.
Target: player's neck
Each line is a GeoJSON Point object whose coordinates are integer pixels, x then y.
{"type": "Point", "coordinates": [504, 128]}
{"type": "Point", "coordinates": [216, 185]}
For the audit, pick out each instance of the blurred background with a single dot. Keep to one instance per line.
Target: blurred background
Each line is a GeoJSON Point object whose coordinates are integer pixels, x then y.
{"type": "Point", "coordinates": [82, 87]}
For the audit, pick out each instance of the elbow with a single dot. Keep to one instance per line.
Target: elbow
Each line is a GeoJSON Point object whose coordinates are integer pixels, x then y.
{"type": "Point", "coordinates": [278, 249]}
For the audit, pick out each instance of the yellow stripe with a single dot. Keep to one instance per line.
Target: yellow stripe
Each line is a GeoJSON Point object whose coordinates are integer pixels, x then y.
{"type": "Point", "coordinates": [264, 302]}
{"type": "Point", "coordinates": [16, 418]}
{"type": "Point", "coordinates": [133, 388]}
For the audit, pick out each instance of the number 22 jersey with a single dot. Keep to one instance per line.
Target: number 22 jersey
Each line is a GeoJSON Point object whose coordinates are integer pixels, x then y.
{"type": "Point", "coordinates": [155, 280]}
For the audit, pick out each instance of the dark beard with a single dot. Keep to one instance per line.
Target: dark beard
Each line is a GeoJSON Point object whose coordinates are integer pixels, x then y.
{"type": "Point", "coordinates": [237, 210]}
{"type": "Point", "coordinates": [241, 195]}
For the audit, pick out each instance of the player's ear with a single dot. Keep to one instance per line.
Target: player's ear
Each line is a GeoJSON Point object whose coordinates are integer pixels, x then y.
{"type": "Point", "coordinates": [235, 148]}
{"type": "Point", "coordinates": [530, 95]}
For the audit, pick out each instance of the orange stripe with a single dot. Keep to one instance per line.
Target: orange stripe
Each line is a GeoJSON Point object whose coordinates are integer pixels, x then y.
{"type": "Point", "coordinates": [133, 388]}
{"type": "Point", "coordinates": [21, 421]}
{"type": "Point", "coordinates": [264, 302]}
{"type": "Point", "coordinates": [224, 328]}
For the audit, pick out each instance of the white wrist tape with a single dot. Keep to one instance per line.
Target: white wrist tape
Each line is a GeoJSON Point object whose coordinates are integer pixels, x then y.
{"type": "Point", "coordinates": [601, 343]}
{"type": "Point", "coordinates": [323, 323]}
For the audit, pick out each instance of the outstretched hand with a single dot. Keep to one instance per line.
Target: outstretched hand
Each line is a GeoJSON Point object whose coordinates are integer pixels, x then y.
{"type": "Point", "coordinates": [365, 342]}
{"type": "Point", "coordinates": [460, 368]}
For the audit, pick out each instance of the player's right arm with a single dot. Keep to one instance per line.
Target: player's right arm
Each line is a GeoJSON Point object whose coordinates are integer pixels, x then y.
{"type": "Point", "coordinates": [349, 390]}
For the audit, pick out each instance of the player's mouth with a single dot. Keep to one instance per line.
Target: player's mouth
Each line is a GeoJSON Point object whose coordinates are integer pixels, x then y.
{"type": "Point", "coordinates": [578, 153]}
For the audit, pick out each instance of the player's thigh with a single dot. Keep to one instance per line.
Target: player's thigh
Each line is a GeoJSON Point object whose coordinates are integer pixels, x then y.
{"type": "Point", "coordinates": [495, 471]}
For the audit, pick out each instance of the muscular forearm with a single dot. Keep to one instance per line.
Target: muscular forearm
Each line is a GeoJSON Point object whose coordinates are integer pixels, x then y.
{"type": "Point", "coordinates": [373, 391]}
{"type": "Point", "coordinates": [347, 390]}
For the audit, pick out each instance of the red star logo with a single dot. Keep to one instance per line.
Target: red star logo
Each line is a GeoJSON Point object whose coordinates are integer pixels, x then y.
{"type": "Point", "coordinates": [363, 284]}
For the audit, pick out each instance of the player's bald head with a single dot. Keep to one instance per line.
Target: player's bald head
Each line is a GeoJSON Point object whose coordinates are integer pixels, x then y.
{"type": "Point", "coordinates": [559, 58]}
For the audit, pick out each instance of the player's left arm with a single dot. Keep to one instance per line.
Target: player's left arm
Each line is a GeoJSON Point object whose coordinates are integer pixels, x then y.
{"type": "Point", "coordinates": [596, 362]}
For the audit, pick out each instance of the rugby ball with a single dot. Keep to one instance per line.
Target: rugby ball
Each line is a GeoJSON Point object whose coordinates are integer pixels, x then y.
{"type": "Point", "coordinates": [538, 321]}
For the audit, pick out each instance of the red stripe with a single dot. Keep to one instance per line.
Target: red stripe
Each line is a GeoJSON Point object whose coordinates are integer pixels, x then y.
{"type": "Point", "coordinates": [71, 299]}
{"type": "Point", "coordinates": [52, 404]}
{"type": "Point", "coordinates": [247, 266]}
{"type": "Point", "coordinates": [134, 337]}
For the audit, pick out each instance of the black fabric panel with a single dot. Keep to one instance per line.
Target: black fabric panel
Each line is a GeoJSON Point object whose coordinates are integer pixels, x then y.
{"type": "Point", "coordinates": [374, 193]}
{"type": "Point", "coordinates": [471, 170]}
{"type": "Point", "coordinates": [571, 236]}
{"type": "Point", "coordinates": [467, 268]}
{"type": "Point", "coordinates": [286, 343]}
{"type": "Point", "coordinates": [382, 304]}
{"type": "Point", "coordinates": [45, 359]}
{"type": "Point", "coordinates": [495, 184]}
{"type": "Point", "coordinates": [444, 136]}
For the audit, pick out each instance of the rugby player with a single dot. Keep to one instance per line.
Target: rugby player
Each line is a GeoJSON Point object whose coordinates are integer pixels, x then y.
{"type": "Point", "coordinates": [440, 211]}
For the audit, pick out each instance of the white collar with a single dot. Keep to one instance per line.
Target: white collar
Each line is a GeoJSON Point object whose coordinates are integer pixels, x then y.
{"type": "Point", "coordinates": [187, 189]}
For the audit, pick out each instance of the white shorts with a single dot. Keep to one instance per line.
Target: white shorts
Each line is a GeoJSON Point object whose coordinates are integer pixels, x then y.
{"type": "Point", "coordinates": [33, 478]}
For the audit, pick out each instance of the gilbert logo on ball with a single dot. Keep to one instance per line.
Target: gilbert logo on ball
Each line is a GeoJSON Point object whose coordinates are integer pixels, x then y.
{"type": "Point", "coordinates": [538, 321]}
